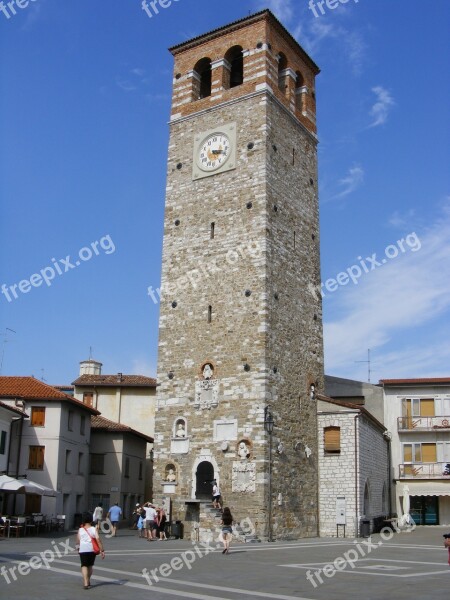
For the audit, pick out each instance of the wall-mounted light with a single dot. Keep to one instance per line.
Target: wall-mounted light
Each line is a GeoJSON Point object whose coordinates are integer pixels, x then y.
{"type": "Point", "coordinates": [312, 391]}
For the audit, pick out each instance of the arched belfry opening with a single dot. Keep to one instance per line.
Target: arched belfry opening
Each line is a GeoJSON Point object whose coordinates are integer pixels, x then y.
{"type": "Point", "coordinates": [235, 58]}
{"type": "Point", "coordinates": [300, 92]}
{"type": "Point", "coordinates": [203, 480]}
{"type": "Point", "coordinates": [203, 71]}
{"type": "Point", "coordinates": [282, 76]}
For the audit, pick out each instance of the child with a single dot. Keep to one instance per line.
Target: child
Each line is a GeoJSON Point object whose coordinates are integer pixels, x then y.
{"type": "Point", "coordinates": [140, 526]}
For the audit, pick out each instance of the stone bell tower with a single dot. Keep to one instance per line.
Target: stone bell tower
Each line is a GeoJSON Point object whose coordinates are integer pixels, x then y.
{"type": "Point", "coordinates": [240, 334]}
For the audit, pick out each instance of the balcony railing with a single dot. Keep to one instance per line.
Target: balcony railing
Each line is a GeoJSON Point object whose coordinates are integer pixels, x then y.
{"type": "Point", "coordinates": [433, 423]}
{"type": "Point", "coordinates": [439, 470]}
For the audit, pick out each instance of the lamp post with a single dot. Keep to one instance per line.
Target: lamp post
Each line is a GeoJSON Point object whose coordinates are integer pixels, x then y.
{"type": "Point", "coordinates": [268, 426]}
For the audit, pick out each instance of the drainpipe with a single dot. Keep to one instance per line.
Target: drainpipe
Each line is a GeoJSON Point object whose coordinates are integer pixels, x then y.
{"type": "Point", "coordinates": [20, 445]}
{"type": "Point", "coordinates": [356, 473]}
{"type": "Point", "coordinates": [13, 422]}
{"type": "Point", "coordinates": [18, 456]}
{"type": "Point", "coordinates": [387, 437]}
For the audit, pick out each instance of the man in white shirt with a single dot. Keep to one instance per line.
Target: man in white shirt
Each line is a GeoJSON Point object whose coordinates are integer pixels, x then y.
{"type": "Point", "coordinates": [150, 515]}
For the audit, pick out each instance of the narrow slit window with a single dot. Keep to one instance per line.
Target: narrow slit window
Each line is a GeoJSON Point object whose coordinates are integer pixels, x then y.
{"type": "Point", "coordinates": [213, 227]}
{"type": "Point", "coordinates": [293, 156]}
{"type": "Point", "coordinates": [294, 240]}
{"type": "Point", "coordinates": [209, 314]}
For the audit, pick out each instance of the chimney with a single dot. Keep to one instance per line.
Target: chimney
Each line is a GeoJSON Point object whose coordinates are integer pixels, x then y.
{"type": "Point", "coordinates": [90, 367]}
{"type": "Point", "coordinates": [119, 377]}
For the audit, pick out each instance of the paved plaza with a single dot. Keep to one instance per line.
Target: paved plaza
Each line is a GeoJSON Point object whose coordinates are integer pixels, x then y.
{"type": "Point", "coordinates": [410, 565]}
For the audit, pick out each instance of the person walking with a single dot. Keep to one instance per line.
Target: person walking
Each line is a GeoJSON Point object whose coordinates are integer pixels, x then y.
{"type": "Point", "coordinates": [84, 545]}
{"type": "Point", "coordinates": [114, 514]}
{"type": "Point", "coordinates": [216, 495]}
{"type": "Point", "coordinates": [227, 530]}
{"type": "Point", "coordinates": [98, 516]}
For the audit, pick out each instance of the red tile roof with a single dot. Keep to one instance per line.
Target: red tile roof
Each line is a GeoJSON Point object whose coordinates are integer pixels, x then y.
{"type": "Point", "coordinates": [101, 424]}
{"type": "Point", "coordinates": [415, 381]}
{"type": "Point", "coordinates": [116, 380]}
{"type": "Point", "coordinates": [29, 388]}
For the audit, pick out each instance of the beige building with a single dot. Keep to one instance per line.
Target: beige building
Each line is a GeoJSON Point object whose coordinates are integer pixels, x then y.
{"type": "Point", "coordinates": [240, 335]}
{"type": "Point", "coordinates": [126, 399]}
{"type": "Point", "coordinates": [117, 465]}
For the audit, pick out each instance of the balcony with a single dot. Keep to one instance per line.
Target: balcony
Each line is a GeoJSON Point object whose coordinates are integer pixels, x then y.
{"type": "Point", "coordinates": [439, 470]}
{"type": "Point", "coordinates": [423, 423]}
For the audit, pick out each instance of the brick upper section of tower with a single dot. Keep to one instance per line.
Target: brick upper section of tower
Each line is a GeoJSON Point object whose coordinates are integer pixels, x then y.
{"type": "Point", "coordinates": [272, 60]}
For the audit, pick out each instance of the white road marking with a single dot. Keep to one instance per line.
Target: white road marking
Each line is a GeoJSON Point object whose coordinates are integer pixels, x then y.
{"type": "Point", "coordinates": [205, 586]}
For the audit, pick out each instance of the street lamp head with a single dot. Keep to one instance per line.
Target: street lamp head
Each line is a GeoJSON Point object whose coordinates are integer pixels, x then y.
{"type": "Point", "coordinates": [268, 420]}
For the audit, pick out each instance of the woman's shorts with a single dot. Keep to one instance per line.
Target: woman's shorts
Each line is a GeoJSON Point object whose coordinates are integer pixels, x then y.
{"type": "Point", "coordinates": [87, 559]}
{"type": "Point", "coordinates": [217, 498]}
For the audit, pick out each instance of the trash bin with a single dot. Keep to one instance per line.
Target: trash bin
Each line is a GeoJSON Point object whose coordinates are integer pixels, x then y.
{"type": "Point", "coordinates": [77, 518]}
{"type": "Point", "coordinates": [176, 529]}
{"type": "Point", "coordinates": [364, 529]}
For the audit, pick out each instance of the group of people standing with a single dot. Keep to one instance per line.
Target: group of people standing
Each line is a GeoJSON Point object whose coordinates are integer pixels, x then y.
{"type": "Point", "coordinates": [151, 521]}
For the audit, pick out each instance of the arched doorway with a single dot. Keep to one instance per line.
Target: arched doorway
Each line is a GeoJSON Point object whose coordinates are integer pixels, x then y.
{"type": "Point", "coordinates": [203, 480]}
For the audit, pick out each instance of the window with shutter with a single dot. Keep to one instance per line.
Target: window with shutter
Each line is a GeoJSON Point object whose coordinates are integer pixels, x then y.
{"type": "Point", "coordinates": [332, 440]}
{"type": "Point", "coordinates": [36, 457]}
{"type": "Point", "coordinates": [38, 416]}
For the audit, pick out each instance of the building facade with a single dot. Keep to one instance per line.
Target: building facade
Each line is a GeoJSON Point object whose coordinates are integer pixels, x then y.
{"type": "Point", "coordinates": [117, 465]}
{"type": "Point", "coordinates": [126, 399]}
{"type": "Point", "coordinates": [54, 445]}
{"type": "Point", "coordinates": [240, 335]}
{"type": "Point", "coordinates": [353, 469]}
{"type": "Point", "coordinates": [417, 413]}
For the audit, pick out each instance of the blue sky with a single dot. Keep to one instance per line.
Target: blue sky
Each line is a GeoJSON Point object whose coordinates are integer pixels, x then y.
{"type": "Point", "coordinates": [84, 103]}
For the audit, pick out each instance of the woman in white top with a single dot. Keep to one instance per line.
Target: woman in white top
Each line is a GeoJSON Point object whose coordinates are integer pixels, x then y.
{"type": "Point", "coordinates": [86, 550]}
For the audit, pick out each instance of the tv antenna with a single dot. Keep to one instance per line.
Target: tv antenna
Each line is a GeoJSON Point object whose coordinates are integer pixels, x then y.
{"type": "Point", "coordinates": [5, 341]}
{"type": "Point", "coordinates": [368, 362]}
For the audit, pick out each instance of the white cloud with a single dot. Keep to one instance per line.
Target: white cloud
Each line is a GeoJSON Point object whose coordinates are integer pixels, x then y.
{"type": "Point", "coordinates": [126, 85]}
{"type": "Point", "coordinates": [402, 220]}
{"type": "Point", "coordinates": [351, 182]}
{"type": "Point", "coordinates": [409, 293]}
{"type": "Point", "coordinates": [138, 72]}
{"type": "Point", "coordinates": [380, 110]}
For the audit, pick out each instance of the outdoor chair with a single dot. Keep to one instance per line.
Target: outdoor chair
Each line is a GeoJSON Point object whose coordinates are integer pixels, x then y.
{"type": "Point", "coordinates": [30, 526]}
{"type": "Point", "coordinates": [61, 521]}
{"type": "Point", "coordinates": [18, 526]}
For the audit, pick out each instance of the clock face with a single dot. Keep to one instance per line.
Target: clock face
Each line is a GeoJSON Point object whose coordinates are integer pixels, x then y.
{"type": "Point", "coordinates": [214, 152]}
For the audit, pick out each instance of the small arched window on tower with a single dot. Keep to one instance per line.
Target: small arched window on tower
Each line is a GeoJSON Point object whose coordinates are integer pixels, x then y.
{"type": "Point", "coordinates": [282, 75]}
{"type": "Point", "coordinates": [235, 58]}
{"type": "Point", "coordinates": [203, 71]}
{"type": "Point", "coordinates": [300, 92]}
